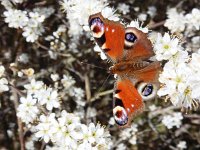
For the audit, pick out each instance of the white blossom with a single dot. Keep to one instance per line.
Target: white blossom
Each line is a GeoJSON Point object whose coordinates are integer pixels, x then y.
{"type": "Point", "coordinates": [7, 4]}
{"type": "Point", "coordinates": [194, 18]}
{"type": "Point", "coordinates": [79, 94]}
{"type": "Point", "coordinates": [142, 17]}
{"type": "Point", "coordinates": [44, 127]}
{"type": "Point", "coordinates": [49, 97]}
{"type": "Point", "coordinates": [3, 85]}
{"type": "Point", "coordinates": [152, 11]}
{"type": "Point", "coordinates": [45, 11]}
{"type": "Point", "coordinates": [137, 25]}
{"type": "Point", "coordinates": [124, 8]}
{"type": "Point", "coordinates": [112, 121]}
{"type": "Point", "coordinates": [34, 86]}
{"type": "Point", "coordinates": [3, 81]}
{"type": "Point", "coordinates": [29, 145]}
{"type": "Point", "coordinates": [102, 54]}
{"type": "Point", "coordinates": [172, 120]}
{"type": "Point", "coordinates": [24, 58]}
{"type": "Point", "coordinates": [165, 47]}
{"type": "Point", "coordinates": [16, 18]}
{"type": "Point", "coordinates": [2, 70]}
{"type": "Point", "coordinates": [176, 22]}
{"type": "Point", "coordinates": [19, 1]}
{"type": "Point", "coordinates": [182, 145]}
{"type": "Point", "coordinates": [67, 81]}
{"type": "Point", "coordinates": [54, 77]}
{"type": "Point", "coordinates": [121, 146]}
{"type": "Point", "coordinates": [130, 134]}
{"type": "Point", "coordinates": [109, 13]}
{"type": "Point", "coordinates": [27, 110]}
{"type": "Point", "coordinates": [152, 107]}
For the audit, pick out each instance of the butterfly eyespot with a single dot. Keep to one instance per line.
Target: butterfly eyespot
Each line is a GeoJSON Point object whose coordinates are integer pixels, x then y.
{"type": "Point", "coordinates": [130, 38]}
{"type": "Point", "coordinates": [147, 90]}
{"type": "Point", "coordinates": [97, 27]}
{"type": "Point", "coordinates": [120, 115]}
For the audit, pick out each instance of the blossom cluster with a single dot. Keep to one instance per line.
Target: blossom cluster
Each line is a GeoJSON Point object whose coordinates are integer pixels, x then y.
{"type": "Point", "coordinates": [29, 21]}
{"type": "Point", "coordinates": [64, 130]}
{"type": "Point", "coordinates": [67, 132]}
{"type": "Point", "coordinates": [178, 22]}
{"type": "Point", "coordinates": [37, 94]}
{"type": "Point", "coordinates": [180, 76]}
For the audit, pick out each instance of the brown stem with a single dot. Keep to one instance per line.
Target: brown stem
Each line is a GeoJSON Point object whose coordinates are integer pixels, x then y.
{"type": "Point", "coordinates": [158, 24]}
{"type": "Point", "coordinates": [167, 110]}
{"type": "Point", "coordinates": [43, 146]}
{"type": "Point", "coordinates": [19, 122]}
{"type": "Point", "coordinates": [87, 87]}
{"type": "Point", "coordinates": [101, 94]}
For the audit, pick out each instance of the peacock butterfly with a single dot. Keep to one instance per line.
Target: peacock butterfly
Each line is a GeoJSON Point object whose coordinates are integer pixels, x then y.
{"type": "Point", "coordinates": [129, 49]}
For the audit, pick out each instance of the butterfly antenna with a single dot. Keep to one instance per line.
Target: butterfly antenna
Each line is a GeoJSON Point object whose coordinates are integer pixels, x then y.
{"type": "Point", "coordinates": [103, 84]}
{"type": "Point", "coordinates": [93, 66]}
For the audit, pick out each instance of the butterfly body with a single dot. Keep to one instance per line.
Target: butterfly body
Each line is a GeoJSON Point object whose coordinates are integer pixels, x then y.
{"type": "Point", "coordinates": [129, 49]}
{"type": "Point", "coordinates": [127, 67]}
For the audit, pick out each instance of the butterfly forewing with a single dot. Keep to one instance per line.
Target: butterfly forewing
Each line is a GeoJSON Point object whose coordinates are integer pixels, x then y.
{"type": "Point", "coordinates": [140, 48]}
{"type": "Point", "coordinates": [112, 39]}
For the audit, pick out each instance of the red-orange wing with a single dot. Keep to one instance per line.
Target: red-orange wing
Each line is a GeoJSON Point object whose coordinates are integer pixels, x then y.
{"type": "Point", "coordinates": [148, 74]}
{"type": "Point", "coordinates": [132, 90]}
{"type": "Point", "coordinates": [109, 35]}
{"type": "Point", "coordinates": [127, 102]}
{"type": "Point", "coordinates": [118, 43]}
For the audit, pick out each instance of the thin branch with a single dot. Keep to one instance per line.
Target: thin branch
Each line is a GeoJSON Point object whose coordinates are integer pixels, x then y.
{"type": "Point", "coordinates": [16, 90]}
{"type": "Point", "coordinates": [19, 122]}
{"type": "Point", "coordinates": [43, 146]}
{"type": "Point", "coordinates": [162, 111]}
{"type": "Point", "coordinates": [101, 94]}
{"type": "Point", "coordinates": [87, 87]}
{"type": "Point", "coordinates": [42, 46]}
{"type": "Point", "coordinates": [155, 25]}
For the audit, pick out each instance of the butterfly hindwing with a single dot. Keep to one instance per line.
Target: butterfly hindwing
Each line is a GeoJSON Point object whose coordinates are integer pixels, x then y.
{"type": "Point", "coordinates": [148, 74]}
{"type": "Point", "coordinates": [127, 102]}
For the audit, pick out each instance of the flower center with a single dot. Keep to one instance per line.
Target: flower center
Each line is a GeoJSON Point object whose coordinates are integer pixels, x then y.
{"type": "Point", "coordinates": [178, 79]}
{"type": "Point", "coordinates": [166, 47]}
{"type": "Point", "coordinates": [187, 91]}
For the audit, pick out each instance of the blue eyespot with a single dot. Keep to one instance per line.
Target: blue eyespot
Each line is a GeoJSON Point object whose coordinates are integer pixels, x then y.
{"type": "Point", "coordinates": [96, 21]}
{"type": "Point", "coordinates": [130, 37]}
{"type": "Point", "coordinates": [147, 90]}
